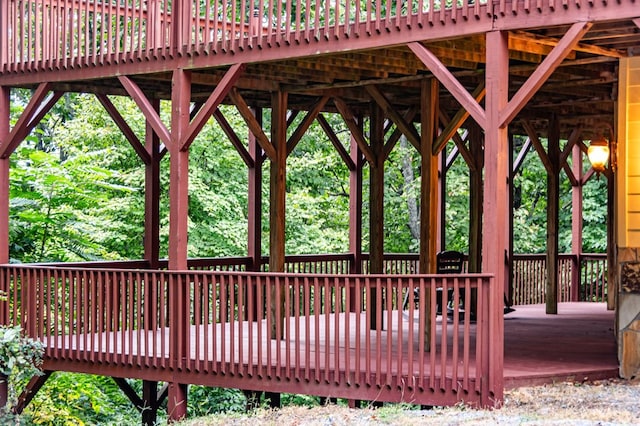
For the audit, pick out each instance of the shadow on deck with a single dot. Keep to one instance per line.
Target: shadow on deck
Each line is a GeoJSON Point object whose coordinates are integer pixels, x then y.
{"type": "Point", "coordinates": [577, 344]}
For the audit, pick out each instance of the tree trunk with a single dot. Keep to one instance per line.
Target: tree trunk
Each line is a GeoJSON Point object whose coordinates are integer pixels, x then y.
{"type": "Point", "coordinates": [408, 180]}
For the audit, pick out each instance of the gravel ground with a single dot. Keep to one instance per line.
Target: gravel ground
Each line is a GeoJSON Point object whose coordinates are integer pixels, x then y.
{"type": "Point", "coordinates": [607, 402]}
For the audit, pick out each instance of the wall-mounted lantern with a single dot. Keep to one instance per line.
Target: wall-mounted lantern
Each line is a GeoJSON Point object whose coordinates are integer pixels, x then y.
{"type": "Point", "coordinates": [601, 151]}
{"type": "Point", "coordinates": [598, 153]}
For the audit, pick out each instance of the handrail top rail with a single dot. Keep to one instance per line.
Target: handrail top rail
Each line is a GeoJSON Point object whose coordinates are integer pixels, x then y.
{"type": "Point", "coordinates": [249, 273]}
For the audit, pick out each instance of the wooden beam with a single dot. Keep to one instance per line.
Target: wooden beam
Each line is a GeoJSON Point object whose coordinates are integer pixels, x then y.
{"type": "Point", "coordinates": [31, 389]}
{"type": "Point", "coordinates": [458, 119]}
{"type": "Point", "coordinates": [406, 128]}
{"type": "Point", "coordinates": [574, 137]}
{"type": "Point", "coordinates": [395, 136]}
{"type": "Point", "coordinates": [147, 109]}
{"type": "Point", "coordinates": [124, 127]}
{"type": "Point", "coordinates": [218, 95]}
{"type": "Point", "coordinates": [129, 393]}
{"type": "Point", "coordinates": [254, 126]}
{"type": "Point", "coordinates": [459, 143]}
{"type": "Point", "coordinates": [31, 115]}
{"type": "Point", "coordinates": [533, 137]}
{"type": "Point", "coordinates": [450, 82]}
{"type": "Point", "coordinates": [335, 141]}
{"type": "Point", "coordinates": [306, 122]}
{"type": "Point", "coordinates": [357, 134]}
{"type": "Point", "coordinates": [542, 73]}
{"type": "Point", "coordinates": [521, 156]}
{"type": "Point", "coordinates": [550, 41]}
{"type": "Point", "coordinates": [233, 138]}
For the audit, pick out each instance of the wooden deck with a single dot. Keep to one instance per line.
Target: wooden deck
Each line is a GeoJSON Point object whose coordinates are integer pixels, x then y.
{"type": "Point", "coordinates": [577, 344]}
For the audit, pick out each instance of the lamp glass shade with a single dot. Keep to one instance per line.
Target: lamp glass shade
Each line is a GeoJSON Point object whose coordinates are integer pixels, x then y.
{"type": "Point", "coordinates": [598, 153]}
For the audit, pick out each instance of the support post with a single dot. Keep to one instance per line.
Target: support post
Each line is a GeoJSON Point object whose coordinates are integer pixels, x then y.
{"type": "Point", "coordinates": [429, 207]}
{"type": "Point", "coordinates": [442, 199]}
{"type": "Point", "coordinates": [376, 208]}
{"type": "Point", "coordinates": [553, 209]}
{"type": "Point", "coordinates": [5, 116]}
{"type": "Point", "coordinates": [429, 179]}
{"type": "Point", "coordinates": [277, 194]}
{"type": "Point", "coordinates": [149, 402]}
{"type": "Point", "coordinates": [355, 214]}
{"type": "Point", "coordinates": [476, 147]}
{"type": "Point", "coordinates": [254, 244]}
{"type": "Point", "coordinates": [496, 207]}
{"type": "Point", "coordinates": [355, 206]}
{"type": "Point", "coordinates": [178, 233]}
{"type": "Point", "coordinates": [152, 195]}
{"type": "Point", "coordinates": [612, 261]}
{"type": "Point", "coordinates": [576, 223]}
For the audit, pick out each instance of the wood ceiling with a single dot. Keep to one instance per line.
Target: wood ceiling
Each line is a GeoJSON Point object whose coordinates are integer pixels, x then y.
{"type": "Point", "coordinates": [581, 92]}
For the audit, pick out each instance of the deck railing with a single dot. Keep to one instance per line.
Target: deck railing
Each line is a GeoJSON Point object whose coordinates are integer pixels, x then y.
{"type": "Point", "coordinates": [581, 278]}
{"type": "Point", "coordinates": [332, 335]}
{"type": "Point", "coordinates": [61, 34]}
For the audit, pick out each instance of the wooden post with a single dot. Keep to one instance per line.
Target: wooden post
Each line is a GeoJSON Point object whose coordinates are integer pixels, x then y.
{"type": "Point", "coordinates": [149, 402]}
{"type": "Point", "coordinates": [376, 206]}
{"type": "Point", "coordinates": [178, 219]}
{"type": "Point", "coordinates": [476, 143]}
{"type": "Point", "coordinates": [277, 196]}
{"type": "Point", "coordinates": [476, 148]}
{"type": "Point", "coordinates": [612, 262]}
{"type": "Point", "coordinates": [5, 111]}
{"type": "Point", "coordinates": [152, 195]}
{"type": "Point", "coordinates": [443, 168]}
{"type": "Point", "coordinates": [496, 204]}
{"type": "Point", "coordinates": [553, 209]}
{"type": "Point", "coordinates": [355, 215]}
{"type": "Point", "coordinates": [428, 193]}
{"type": "Point", "coordinates": [254, 244]}
{"type": "Point", "coordinates": [576, 223]}
{"type": "Point", "coordinates": [512, 173]}
{"type": "Point", "coordinates": [355, 207]}
{"type": "Point", "coordinates": [429, 182]}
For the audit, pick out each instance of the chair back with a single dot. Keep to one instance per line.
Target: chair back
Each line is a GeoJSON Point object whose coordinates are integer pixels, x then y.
{"type": "Point", "coordinates": [449, 262]}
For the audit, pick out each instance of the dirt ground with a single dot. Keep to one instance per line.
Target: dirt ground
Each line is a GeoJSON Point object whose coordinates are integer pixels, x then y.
{"type": "Point", "coordinates": [607, 402]}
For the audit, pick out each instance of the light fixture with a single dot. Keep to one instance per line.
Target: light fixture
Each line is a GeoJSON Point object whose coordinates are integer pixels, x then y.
{"type": "Point", "coordinates": [598, 153]}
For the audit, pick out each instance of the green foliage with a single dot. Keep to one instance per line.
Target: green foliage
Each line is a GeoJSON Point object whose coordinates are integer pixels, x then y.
{"type": "Point", "coordinates": [80, 399]}
{"type": "Point", "coordinates": [203, 401]}
{"type": "Point", "coordinates": [20, 356]}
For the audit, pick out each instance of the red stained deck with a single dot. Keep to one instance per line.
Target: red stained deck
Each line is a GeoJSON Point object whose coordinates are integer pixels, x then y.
{"type": "Point", "coordinates": [577, 344]}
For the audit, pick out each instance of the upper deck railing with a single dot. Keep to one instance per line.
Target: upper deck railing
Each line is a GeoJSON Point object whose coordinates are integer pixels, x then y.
{"type": "Point", "coordinates": [60, 34]}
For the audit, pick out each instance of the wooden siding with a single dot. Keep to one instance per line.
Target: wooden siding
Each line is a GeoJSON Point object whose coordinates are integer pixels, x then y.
{"type": "Point", "coordinates": [628, 139]}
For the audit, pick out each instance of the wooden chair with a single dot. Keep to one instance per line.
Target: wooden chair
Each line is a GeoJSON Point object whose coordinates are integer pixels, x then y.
{"type": "Point", "coordinates": [447, 262]}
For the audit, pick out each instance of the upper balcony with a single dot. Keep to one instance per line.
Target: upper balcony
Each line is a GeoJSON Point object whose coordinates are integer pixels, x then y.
{"type": "Point", "coordinates": [102, 38]}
